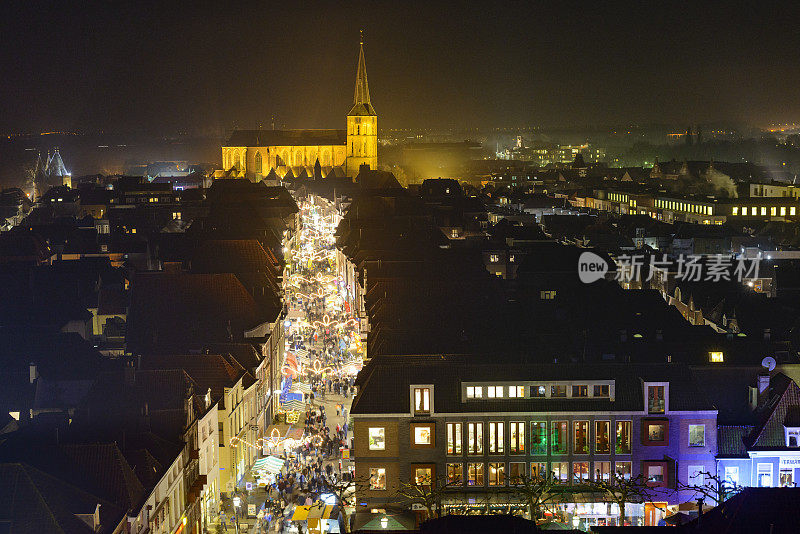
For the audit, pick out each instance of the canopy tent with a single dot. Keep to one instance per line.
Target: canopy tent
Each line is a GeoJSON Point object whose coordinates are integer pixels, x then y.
{"type": "Point", "coordinates": [270, 464]}
{"type": "Point", "coordinates": [302, 387]}
{"type": "Point", "coordinates": [294, 405]}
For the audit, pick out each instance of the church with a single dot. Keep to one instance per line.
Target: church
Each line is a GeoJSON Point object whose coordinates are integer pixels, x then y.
{"type": "Point", "coordinates": [277, 154]}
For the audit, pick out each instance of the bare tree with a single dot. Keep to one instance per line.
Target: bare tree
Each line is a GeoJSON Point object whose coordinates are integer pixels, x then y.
{"type": "Point", "coordinates": [345, 493]}
{"type": "Point", "coordinates": [536, 492]}
{"type": "Point", "coordinates": [429, 495]}
{"type": "Point", "coordinates": [622, 490]}
{"type": "Point", "coordinates": [714, 487]}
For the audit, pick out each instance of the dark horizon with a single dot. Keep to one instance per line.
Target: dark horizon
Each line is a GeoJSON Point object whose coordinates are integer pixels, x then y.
{"type": "Point", "coordinates": [178, 66]}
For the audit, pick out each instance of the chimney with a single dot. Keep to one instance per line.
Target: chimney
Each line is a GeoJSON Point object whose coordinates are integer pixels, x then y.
{"type": "Point", "coordinates": [33, 373]}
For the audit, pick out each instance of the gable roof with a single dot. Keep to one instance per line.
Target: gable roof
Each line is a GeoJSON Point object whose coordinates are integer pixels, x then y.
{"type": "Point", "coordinates": [783, 402]}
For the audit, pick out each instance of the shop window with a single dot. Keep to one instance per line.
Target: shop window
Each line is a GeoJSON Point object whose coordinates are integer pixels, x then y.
{"type": "Point", "coordinates": [422, 400]}
{"type": "Point", "coordinates": [455, 473]}
{"type": "Point", "coordinates": [580, 391]}
{"type": "Point", "coordinates": [377, 478]}
{"type": "Point", "coordinates": [475, 474]}
{"type": "Point", "coordinates": [656, 473]}
{"type": "Point", "coordinates": [497, 473]}
{"type": "Point", "coordinates": [764, 472]}
{"type": "Point", "coordinates": [623, 444]}
{"type": "Point", "coordinates": [561, 472]}
{"type": "Point", "coordinates": [581, 437]}
{"type": "Point", "coordinates": [601, 390]}
{"type": "Point", "coordinates": [377, 438]}
{"type": "Point", "coordinates": [786, 477]}
{"type": "Point", "coordinates": [424, 475]}
{"type": "Point", "coordinates": [560, 437]}
{"type": "Point", "coordinates": [655, 432]}
{"type": "Point", "coordinates": [422, 435]}
{"type": "Point", "coordinates": [538, 391]}
{"type": "Point", "coordinates": [496, 438]}
{"type": "Point", "coordinates": [655, 399]}
{"type": "Point", "coordinates": [474, 392]}
{"type": "Point", "coordinates": [558, 391]}
{"type": "Point", "coordinates": [697, 435]}
{"type": "Point", "coordinates": [538, 437]}
{"type": "Point", "coordinates": [453, 438]}
{"type": "Point", "coordinates": [495, 392]}
{"type": "Point", "coordinates": [474, 438]}
{"type": "Point", "coordinates": [623, 470]}
{"type": "Point", "coordinates": [602, 470]}
{"type": "Point", "coordinates": [516, 470]}
{"type": "Point", "coordinates": [602, 443]}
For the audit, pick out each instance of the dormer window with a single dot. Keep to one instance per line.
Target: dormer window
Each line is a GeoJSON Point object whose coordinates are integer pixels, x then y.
{"type": "Point", "coordinates": [421, 398]}
{"type": "Point", "coordinates": [656, 402]}
{"type": "Point", "coordinates": [494, 392]}
{"type": "Point", "coordinates": [716, 357]}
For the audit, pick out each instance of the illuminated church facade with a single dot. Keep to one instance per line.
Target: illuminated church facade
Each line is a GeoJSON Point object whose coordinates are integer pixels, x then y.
{"type": "Point", "coordinates": [276, 154]}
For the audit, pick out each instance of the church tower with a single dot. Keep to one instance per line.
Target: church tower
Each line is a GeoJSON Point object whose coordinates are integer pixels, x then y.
{"type": "Point", "coordinates": [362, 124]}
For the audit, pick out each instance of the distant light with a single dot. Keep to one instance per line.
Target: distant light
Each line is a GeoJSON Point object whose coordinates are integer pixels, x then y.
{"type": "Point", "coordinates": [237, 501]}
{"type": "Point", "coordinates": [287, 323]}
{"type": "Point", "coordinates": [384, 522]}
{"type": "Point", "coordinates": [328, 498]}
{"type": "Point", "coordinates": [184, 521]}
{"type": "Point", "coordinates": [750, 284]}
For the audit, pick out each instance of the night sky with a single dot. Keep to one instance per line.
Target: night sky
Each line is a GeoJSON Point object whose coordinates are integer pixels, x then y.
{"type": "Point", "coordinates": [203, 67]}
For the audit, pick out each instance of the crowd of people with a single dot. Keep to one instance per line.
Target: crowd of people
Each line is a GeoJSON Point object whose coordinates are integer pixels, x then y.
{"type": "Point", "coordinates": [323, 339]}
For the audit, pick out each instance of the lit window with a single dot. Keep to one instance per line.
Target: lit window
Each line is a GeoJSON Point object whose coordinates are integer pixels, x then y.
{"type": "Point", "coordinates": [623, 445]}
{"type": "Point", "coordinates": [716, 357]}
{"type": "Point", "coordinates": [580, 472]}
{"type": "Point", "coordinates": [453, 438]}
{"type": "Point", "coordinates": [735, 210]}
{"type": "Point", "coordinates": [783, 211]}
{"type": "Point", "coordinates": [558, 391]}
{"type": "Point", "coordinates": [547, 295]}
{"type": "Point", "coordinates": [793, 437]}
{"type": "Point", "coordinates": [732, 474]}
{"type": "Point", "coordinates": [455, 473]}
{"type": "Point", "coordinates": [538, 437]}
{"type": "Point", "coordinates": [475, 474]}
{"type": "Point", "coordinates": [496, 438]}
{"type": "Point", "coordinates": [623, 469]}
{"type": "Point", "coordinates": [695, 475]}
{"type": "Point", "coordinates": [560, 437]}
{"type": "Point", "coordinates": [423, 476]}
{"type": "Point", "coordinates": [580, 391]}
{"type": "Point", "coordinates": [516, 433]}
{"type": "Point", "coordinates": [494, 391]}
{"type": "Point", "coordinates": [764, 475]}
{"type": "Point", "coordinates": [474, 438]}
{"type": "Point", "coordinates": [377, 478]}
{"type": "Point", "coordinates": [497, 474]}
{"type": "Point", "coordinates": [763, 210]}
{"type": "Point", "coordinates": [474, 392]}
{"type": "Point", "coordinates": [602, 443]}
{"type": "Point", "coordinates": [538, 391]}
{"type": "Point", "coordinates": [538, 470]}
{"type": "Point", "coordinates": [655, 473]}
{"type": "Point", "coordinates": [791, 211]}
{"type": "Point", "coordinates": [377, 439]}
{"type": "Point", "coordinates": [494, 258]}
{"type": "Point", "coordinates": [561, 471]}
{"type": "Point", "coordinates": [655, 399]}
{"type": "Point", "coordinates": [423, 434]}
{"type": "Point", "coordinates": [516, 470]}
{"type": "Point", "coordinates": [602, 470]}
{"type": "Point", "coordinates": [773, 211]}
{"type": "Point", "coordinates": [697, 435]}
{"type": "Point", "coordinates": [581, 437]}
{"type": "Point", "coordinates": [516, 391]}
{"type": "Point", "coordinates": [600, 390]}
{"type": "Point", "coordinates": [422, 400]}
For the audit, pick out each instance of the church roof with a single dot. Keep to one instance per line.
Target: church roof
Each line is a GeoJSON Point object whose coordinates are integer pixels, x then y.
{"type": "Point", "coordinates": [287, 138]}
{"type": "Point", "coordinates": [361, 103]}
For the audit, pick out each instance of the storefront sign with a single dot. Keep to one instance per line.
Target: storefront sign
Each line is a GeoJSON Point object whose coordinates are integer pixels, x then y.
{"type": "Point", "coordinates": [790, 462]}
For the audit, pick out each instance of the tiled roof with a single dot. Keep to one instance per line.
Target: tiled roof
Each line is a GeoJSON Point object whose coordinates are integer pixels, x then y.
{"type": "Point", "coordinates": [784, 398]}
{"type": "Point", "coordinates": [230, 256]}
{"type": "Point", "coordinates": [731, 441]}
{"type": "Point", "coordinates": [105, 466]}
{"type": "Point", "coordinates": [34, 501]}
{"type": "Point", "coordinates": [385, 384]}
{"type": "Point", "coordinates": [752, 511]}
{"type": "Point", "coordinates": [170, 311]}
{"type": "Point", "coordinates": [208, 371]}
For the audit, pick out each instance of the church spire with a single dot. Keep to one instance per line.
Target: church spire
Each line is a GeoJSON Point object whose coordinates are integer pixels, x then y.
{"type": "Point", "coordinates": [362, 89]}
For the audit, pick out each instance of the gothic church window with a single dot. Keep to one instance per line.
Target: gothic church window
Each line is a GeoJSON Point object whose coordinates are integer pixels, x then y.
{"type": "Point", "coordinates": [258, 166]}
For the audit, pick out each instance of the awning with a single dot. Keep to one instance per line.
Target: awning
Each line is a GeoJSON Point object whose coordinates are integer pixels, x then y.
{"type": "Point", "coordinates": [318, 510]}
{"type": "Point", "coordinates": [270, 464]}
{"type": "Point", "coordinates": [301, 386]}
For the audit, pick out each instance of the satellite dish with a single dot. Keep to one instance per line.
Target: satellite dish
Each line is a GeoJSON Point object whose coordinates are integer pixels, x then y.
{"type": "Point", "coordinates": [768, 362]}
